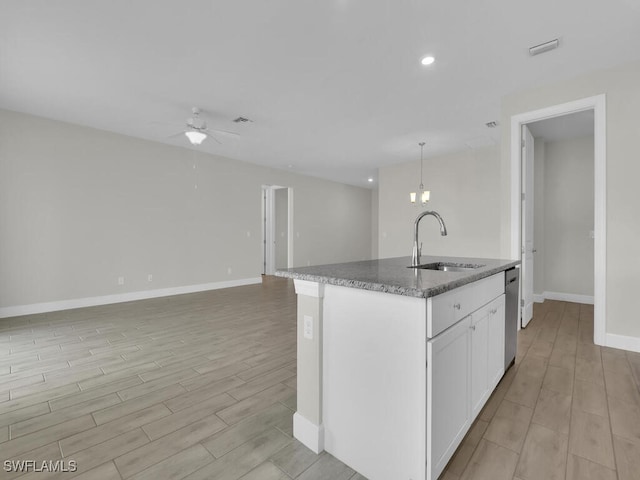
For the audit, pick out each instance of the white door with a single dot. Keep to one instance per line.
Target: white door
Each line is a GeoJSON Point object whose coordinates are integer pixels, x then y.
{"type": "Point", "coordinates": [527, 226]}
{"type": "Point", "coordinates": [281, 227]}
{"type": "Point", "coordinates": [277, 228]}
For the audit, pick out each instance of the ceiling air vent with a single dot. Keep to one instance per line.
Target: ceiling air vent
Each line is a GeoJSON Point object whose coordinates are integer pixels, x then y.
{"type": "Point", "coordinates": [544, 47]}
{"type": "Point", "coordinates": [241, 120]}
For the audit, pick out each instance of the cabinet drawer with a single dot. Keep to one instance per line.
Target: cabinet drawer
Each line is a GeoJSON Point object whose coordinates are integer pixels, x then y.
{"type": "Point", "coordinates": [446, 309]}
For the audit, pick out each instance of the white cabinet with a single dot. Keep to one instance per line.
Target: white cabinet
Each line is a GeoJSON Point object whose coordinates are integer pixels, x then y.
{"type": "Point", "coordinates": [487, 352]}
{"type": "Point", "coordinates": [447, 395]}
{"type": "Point", "coordinates": [479, 333]}
{"type": "Point", "coordinates": [385, 414]}
{"type": "Point", "coordinates": [496, 341]}
{"type": "Point", "coordinates": [464, 364]}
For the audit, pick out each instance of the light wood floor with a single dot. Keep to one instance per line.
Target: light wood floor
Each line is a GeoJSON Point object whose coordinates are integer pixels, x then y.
{"type": "Point", "coordinates": [202, 386]}
{"type": "Point", "coordinates": [567, 409]}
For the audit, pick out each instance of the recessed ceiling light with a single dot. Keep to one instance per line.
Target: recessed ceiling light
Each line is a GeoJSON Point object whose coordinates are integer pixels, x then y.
{"type": "Point", "coordinates": [369, 179]}
{"type": "Point", "coordinates": [427, 60]}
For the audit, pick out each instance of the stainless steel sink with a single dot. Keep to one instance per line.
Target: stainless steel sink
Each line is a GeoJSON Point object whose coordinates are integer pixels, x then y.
{"type": "Point", "coordinates": [449, 267]}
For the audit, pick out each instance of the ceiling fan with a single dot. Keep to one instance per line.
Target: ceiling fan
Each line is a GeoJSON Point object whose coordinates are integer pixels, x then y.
{"type": "Point", "coordinates": [197, 132]}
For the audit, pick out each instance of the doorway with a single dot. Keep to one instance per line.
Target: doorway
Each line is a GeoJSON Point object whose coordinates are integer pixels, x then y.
{"type": "Point", "coordinates": [277, 228]}
{"type": "Point", "coordinates": [522, 244]}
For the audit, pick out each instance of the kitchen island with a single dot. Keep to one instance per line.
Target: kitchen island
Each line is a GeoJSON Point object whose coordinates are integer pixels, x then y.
{"type": "Point", "coordinates": [395, 363]}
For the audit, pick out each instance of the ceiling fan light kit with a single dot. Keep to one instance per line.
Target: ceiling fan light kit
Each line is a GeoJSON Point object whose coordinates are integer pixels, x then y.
{"type": "Point", "coordinates": [195, 137]}
{"type": "Point", "coordinates": [197, 132]}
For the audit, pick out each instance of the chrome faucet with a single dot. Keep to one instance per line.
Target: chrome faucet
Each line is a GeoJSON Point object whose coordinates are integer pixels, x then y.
{"type": "Point", "coordinates": [417, 250]}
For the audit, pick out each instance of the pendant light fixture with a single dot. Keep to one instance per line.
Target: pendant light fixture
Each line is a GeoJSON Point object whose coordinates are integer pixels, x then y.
{"type": "Point", "coordinates": [422, 195]}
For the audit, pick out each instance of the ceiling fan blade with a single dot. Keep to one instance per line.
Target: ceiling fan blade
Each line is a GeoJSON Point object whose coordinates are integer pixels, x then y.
{"type": "Point", "coordinates": [224, 132]}
{"type": "Point", "coordinates": [166, 124]}
{"type": "Point", "coordinates": [175, 135]}
{"type": "Point", "coordinates": [212, 136]}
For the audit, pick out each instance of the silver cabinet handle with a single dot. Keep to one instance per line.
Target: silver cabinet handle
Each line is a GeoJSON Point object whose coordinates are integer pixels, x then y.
{"type": "Point", "coordinates": [456, 306]}
{"type": "Point", "coordinates": [534, 250]}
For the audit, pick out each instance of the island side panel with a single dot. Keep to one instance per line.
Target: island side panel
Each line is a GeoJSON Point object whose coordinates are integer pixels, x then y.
{"type": "Point", "coordinates": [307, 421]}
{"type": "Point", "coordinates": [374, 393]}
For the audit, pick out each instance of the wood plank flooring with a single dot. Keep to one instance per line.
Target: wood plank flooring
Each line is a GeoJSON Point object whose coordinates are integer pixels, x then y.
{"type": "Point", "coordinates": [203, 386]}
{"type": "Point", "coordinates": [568, 409]}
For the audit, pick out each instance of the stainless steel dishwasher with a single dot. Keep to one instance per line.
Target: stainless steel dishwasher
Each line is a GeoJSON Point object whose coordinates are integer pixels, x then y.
{"type": "Point", "coordinates": [511, 291]}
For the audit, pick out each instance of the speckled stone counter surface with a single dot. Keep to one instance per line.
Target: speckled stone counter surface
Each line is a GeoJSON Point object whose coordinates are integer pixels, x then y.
{"type": "Point", "coordinates": [391, 275]}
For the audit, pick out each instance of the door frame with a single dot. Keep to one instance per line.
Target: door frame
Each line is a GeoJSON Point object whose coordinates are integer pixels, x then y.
{"type": "Point", "coordinates": [596, 103]}
{"type": "Point", "coordinates": [269, 227]}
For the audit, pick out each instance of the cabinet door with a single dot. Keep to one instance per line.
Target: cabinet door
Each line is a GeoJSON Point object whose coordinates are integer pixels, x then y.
{"type": "Point", "coordinates": [479, 328]}
{"type": "Point", "coordinates": [447, 395]}
{"type": "Point", "coordinates": [496, 341]}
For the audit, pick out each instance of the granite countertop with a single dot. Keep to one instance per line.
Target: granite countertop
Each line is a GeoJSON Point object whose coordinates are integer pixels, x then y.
{"type": "Point", "coordinates": [391, 275]}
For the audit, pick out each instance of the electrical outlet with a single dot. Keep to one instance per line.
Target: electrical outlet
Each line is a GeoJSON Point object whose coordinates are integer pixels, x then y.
{"type": "Point", "coordinates": [248, 234]}
{"type": "Point", "coordinates": [120, 280]}
{"type": "Point", "coordinates": [229, 271]}
{"type": "Point", "coordinates": [308, 327]}
{"type": "Point", "coordinates": [149, 278]}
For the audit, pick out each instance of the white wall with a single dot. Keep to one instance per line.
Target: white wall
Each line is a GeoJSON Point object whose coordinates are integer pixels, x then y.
{"type": "Point", "coordinates": [80, 207]}
{"type": "Point", "coordinates": [465, 191]}
{"type": "Point", "coordinates": [568, 216]}
{"type": "Point", "coordinates": [563, 211]}
{"type": "Point", "coordinates": [621, 85]}
{"type": "Point", "coordinates": [485, 219]}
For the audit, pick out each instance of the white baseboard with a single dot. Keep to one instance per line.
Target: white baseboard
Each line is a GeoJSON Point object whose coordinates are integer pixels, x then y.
{"type": "Point", "coordinates": [308, 433]}
{"type": "Point", "coordinates": [120, 297]}
{"type": "Point", "coordinates": [623, 342]}
{"type": "Point", "coordinates": [563, 297]}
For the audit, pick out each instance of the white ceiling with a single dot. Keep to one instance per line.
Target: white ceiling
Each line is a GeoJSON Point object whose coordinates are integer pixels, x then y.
{"type": "Point", "coordinates": [335, 88]}
{"type": "Point", "coordinates": [564, 127]}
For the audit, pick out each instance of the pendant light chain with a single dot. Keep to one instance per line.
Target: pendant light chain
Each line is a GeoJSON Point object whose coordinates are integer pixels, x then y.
{"type": "Point", "coordinates": [421, 166]}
